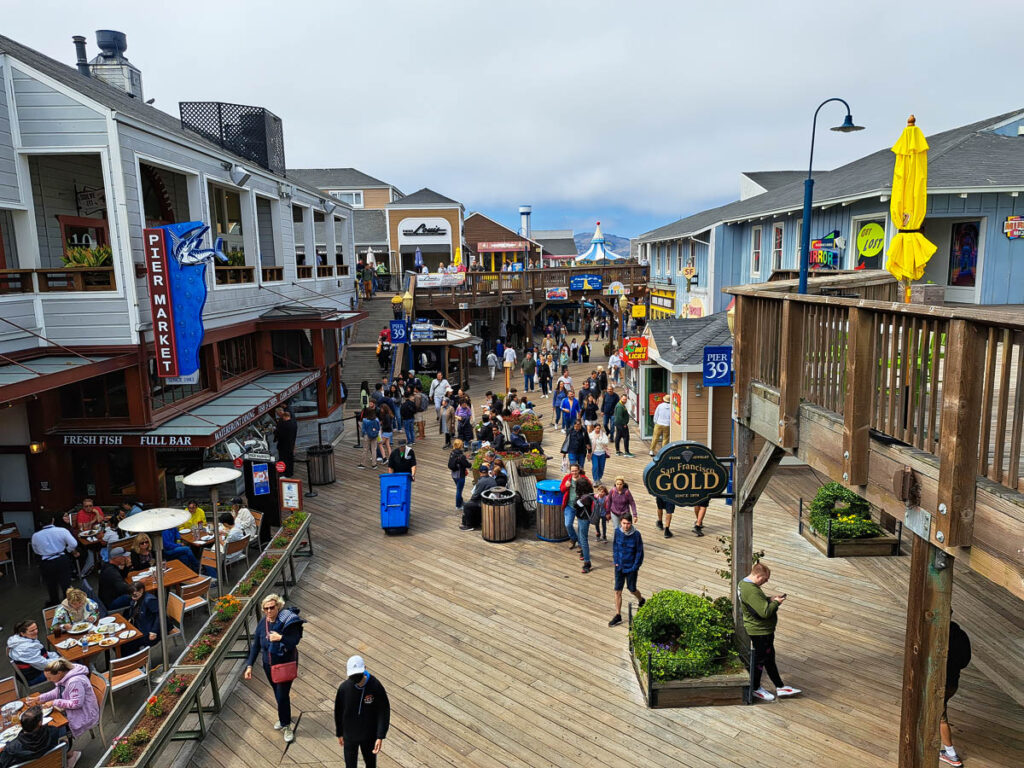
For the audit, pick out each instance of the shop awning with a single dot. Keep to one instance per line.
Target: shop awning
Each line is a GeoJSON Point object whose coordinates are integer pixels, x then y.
{"type": "Point", "coordinates": [205, 425]}
{"type": "Point", "coordinates": [23, 378]}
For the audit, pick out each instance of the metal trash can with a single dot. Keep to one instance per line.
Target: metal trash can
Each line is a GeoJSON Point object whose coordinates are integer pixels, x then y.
{"type": "Point", "coordinates": [550, 520]}
{"type": "Point", "coordinates": [320, 464]}
{"type": "Point", "coordinates": [498, 523]}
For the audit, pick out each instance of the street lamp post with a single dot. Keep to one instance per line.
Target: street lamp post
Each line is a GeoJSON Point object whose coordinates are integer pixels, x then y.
{"type": "Point", "coordinates": [623, 304]}
{"type": "Point", "coordinates": [805, 235]}
{"type": "Point", "coordinates": [407, 302]}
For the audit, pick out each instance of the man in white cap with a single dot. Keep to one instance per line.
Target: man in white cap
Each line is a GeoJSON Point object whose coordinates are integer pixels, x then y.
{"type": "Point", "coordinates": [662, 424]}
{"type": "Point", "coordinates": [362, 714]}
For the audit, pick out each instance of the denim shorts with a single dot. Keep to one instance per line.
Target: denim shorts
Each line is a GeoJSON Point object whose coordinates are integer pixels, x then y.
{"type": "Point", "coordinates": [629, 579]}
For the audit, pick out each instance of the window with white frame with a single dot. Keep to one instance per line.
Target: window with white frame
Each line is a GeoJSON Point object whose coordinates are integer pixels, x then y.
{"type": "Point", "coordinates": [352, 197]}
{"type": "Point", "coordinates": [755, 251]}
{"type": "Point", "coordinates": [776, 246]}
{"type": "Point", "coordinates": [679, 253]}
{"type": "Point", "coordinates": [796, 242]}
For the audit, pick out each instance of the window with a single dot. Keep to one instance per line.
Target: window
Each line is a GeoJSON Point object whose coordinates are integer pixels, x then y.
{"type": "Point", "coordinates": [755, 251]}
{"type": "Point", "coordinates": [236, 357]}
{"type": "Point", "coordinates": [226, 222]}
{"type": "Point", "coordinates": [963, 253]}
{"type": "Point", "coordinates": [291, 349]}
{"type": "Point", "coordinates": [776, 246]}
{"type": "Point", "coordinates": [796, 242]}
{"type": "Point", "coordinates": [299, 225]}
{"type": "Point", "coordinates": [679, 257]}
{"type": "Point", "coordinates": [869, 244]}
{"type": "Point", "coordinates": [101, 397]}
{"type": "Point", "coordinates": [164, 394]}
{"type": "Point", "coordinates": [352, 197]}
{"type": "Point", "coordinates": [8, 250]}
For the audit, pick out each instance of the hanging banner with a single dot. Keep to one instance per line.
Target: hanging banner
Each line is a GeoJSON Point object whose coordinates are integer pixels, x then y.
{"type": "Point", "coordinates": [440, 280]}
{"type": "Point", "coordinates": [635, 349]}
{"type": "Point", "coordinates": [176, 274]}
{"type": "Point", "coordinates": [586, 282]}
{"type": "Point", "coordinates": [557, 294]}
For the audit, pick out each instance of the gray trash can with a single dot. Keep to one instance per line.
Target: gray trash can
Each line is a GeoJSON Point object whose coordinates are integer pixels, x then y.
{"type": "Point", "coordinates": [320, 464]}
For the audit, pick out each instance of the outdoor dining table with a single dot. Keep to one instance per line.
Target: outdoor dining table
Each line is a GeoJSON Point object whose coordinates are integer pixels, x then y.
{"type": "Point", "coordinates": [204, 540]}
{"type": "Point", "coordinates": [78, 655]}
{"type": "Point", "coordinates": [176, 573]}
{"type": "Point", "coordinates": [58, 718]}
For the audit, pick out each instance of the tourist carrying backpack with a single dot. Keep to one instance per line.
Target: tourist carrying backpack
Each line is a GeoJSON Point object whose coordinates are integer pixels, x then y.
{"type": "Point", "coordinates": [275, 643]}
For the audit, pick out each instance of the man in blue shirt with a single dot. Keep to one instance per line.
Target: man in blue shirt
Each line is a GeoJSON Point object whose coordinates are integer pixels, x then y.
{"type": "Point", "coordinates": [627, 556]}
{"type": "Point", "coordinates": [570, 410]}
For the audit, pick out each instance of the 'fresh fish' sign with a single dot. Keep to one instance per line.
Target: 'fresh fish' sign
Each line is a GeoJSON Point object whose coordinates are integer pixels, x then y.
{"type": "Point", "coordinates": [176, 272]}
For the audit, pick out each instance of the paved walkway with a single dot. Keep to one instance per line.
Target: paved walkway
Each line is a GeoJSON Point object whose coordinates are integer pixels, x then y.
{"type": "Point", "coordinates": [500, 654]}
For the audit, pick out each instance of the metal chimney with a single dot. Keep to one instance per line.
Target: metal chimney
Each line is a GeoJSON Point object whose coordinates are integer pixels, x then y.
{"type": "Point", "coordinates": [524, 220]}
{"type": "Point", "coordinates": [112, 67]}
{"type": "Point", "coordinates": [82, 62]}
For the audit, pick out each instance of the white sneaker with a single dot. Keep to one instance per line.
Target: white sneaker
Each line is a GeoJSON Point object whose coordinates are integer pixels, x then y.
{"type": "Point", "coordinates": [763, 695]}
{"type": "Point", "coordinates": [289, 734]}
{"type": "Point", "coordinates": [277, 726]}
{"type": "Point", "coordinates": [786, 690]}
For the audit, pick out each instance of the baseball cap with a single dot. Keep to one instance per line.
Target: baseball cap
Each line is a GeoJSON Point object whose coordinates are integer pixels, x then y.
{"type": "Point", "coordinates": [355, 666]}
{"type": "Point", "coordinates": [236, 500]}
{"type": "Point", "coordinates": [118, 552]}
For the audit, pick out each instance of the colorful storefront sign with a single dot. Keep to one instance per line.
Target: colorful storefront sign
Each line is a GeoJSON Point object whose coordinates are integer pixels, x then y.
{"type": "Point", "coordinates": [177, 295]}
{"type": "Point", "coordinates": [635, 350]}
{"type": "Point", "coordinates": [615, 288]}
{"type": "Point", "coordinates": [505, 246]}
{"type": "Point", "coordinates": [824, 253]}
{"type": "Point", "coordinates": [717, 366]}
{"type": "Point", "coordinates": [441, 280]}
{"type": "Point", "coordinates": [1013, 228]}
{"type": "Point", "coordinates": [687, 474]}
{"type": "Point", "coordinates": [694, 307]}
{"type": "Point", "coordinates": [639, 311]}
{"type": "Point", "coordinates": [586, 282]}
{"type": "Point", "coordinates": [557, 294]}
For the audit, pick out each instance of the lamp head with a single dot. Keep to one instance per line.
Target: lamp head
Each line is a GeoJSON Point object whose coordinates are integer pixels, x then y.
{"type": "Point", "coordinates": [848, 125]}
{"type": "Point", "coordinates": [623, 303]}
{"type": "Point", "coordinates": [407, 301]}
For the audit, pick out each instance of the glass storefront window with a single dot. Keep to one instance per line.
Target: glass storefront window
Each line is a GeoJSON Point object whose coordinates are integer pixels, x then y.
{"type": "Point", "coordinates": [164, 394]}
{"type": "Point", "coordinates": [963, 253]}
{"type": "Point", "coordinates": [291, 349]}
{"type": "Point", "coordinates": [101, 397]}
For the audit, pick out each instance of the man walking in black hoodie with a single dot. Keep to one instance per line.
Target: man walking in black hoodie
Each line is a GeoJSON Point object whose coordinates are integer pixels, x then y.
{"type": "Point", "coordinates": [362, 714]}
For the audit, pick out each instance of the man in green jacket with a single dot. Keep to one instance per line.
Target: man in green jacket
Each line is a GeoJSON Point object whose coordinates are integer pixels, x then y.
{"type": "Point", "coordinates": [620, 418]}
{"type": "Point", "coordinates": [760, 615]}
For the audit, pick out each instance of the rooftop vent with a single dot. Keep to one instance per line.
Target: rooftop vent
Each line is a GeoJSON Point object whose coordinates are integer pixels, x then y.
{"type": "Point", "coordinates": [111, 66]}
{"type": "Point", "coordinates": [254, 133]}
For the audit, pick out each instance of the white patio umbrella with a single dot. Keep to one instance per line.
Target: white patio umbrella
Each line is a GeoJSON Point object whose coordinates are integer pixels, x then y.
{"type": "Point", "coordinates": [211, 477]}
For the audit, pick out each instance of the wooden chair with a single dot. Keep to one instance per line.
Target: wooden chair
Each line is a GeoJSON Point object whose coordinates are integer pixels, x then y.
{"type": "Point", "coordinates": [176, 613]}
{"type": "Point", "coordinates": [196, 594]}
{"type": "Point", "coordinates": [126, 671]}
{"type": "Point", "coordinates": [236, 551]}
{"type": "Point", "coordinates": [48, 614]}
{"type": "Point", "coordinates": [8, 691]}
{"type": "Point", "coordinates": [22, 682]}
{"type": "Point", "coordinates": [55, 758]}
{"type": "Point", "coordinates": [209, 559]}
{"type": "Point", "coordinates": [258, 538]}
{"type": "Point", "coordinates": [6, 558]}
{"type": "Point", "coordinates": [101, 688]}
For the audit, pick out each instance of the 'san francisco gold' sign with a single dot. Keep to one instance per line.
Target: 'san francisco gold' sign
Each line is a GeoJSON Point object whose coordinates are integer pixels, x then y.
{"type": "Point", "coordinates": [687, 474]}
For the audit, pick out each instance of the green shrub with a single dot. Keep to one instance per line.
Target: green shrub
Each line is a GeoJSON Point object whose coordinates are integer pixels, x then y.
{"type": "Point", "coordinates": [686, 635]}
{"type": "Point", "coordinates": [850, 514]}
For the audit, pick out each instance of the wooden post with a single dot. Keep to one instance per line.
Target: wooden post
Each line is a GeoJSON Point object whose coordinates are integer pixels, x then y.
{"type": "Point", "coordinates": [791, 369]}
{"type": "Point", "coordinates": [959, 433]}
{"type": "Point", "coordinates": [924, 653]}
{"type": "Point", "coordinates": [860, 363]}
{"type": "Point", "coordinates": [744, 344]}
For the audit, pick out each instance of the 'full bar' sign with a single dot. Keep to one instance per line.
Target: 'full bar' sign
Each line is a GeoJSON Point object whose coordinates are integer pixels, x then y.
{"type": "Point", "coordinates": [160, 303]}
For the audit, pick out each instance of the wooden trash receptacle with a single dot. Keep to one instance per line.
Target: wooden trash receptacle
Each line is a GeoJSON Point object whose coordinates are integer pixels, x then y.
{"type": "Point", "coordinates": [498, 523]}
{"type": "Point", "coordinates": [550, 520]}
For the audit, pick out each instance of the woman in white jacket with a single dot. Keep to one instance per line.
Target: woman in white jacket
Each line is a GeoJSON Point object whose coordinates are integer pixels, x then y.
{"type": "Point", "coordinates": [598, 452]}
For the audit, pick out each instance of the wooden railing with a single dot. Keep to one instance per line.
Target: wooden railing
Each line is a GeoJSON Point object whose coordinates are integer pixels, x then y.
{"type": "Point", "coordinates": [945, 380]}
{"type": "Point", "coordinates": [76, 279]}
{"type": "Point", "coordinates": [520, 287]}
{"type": "Point", "coordinates": [304, 271]}
{"type": "Point", "coordinates": [272, 274]}
{"type": "Point", "coordinates": [16, 281]}
{"type": "Point", "coordinates": [234, 275]}
{"type": "Point", "coordinates": [325, 270]}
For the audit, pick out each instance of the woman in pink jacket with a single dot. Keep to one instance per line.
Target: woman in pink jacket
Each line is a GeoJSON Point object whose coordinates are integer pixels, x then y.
{"type": "Point", "coordinates": [620, 501]}
{"type": "Point", "coordinates": [72, 694]}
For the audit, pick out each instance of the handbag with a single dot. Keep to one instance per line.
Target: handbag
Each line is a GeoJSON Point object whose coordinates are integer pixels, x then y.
{"type": "Point", "coordinates": [282, 673]}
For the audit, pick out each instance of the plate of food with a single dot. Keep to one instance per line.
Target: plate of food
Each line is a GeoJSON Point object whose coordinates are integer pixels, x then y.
{"type": "Point", "coordinates": [128, 634]}
{"type": "Point", "coordinates": [11, 707]}
{"type": "Point", "coordinates": [107, 629]}
{"type": "Point", "coordinates": [47, 710]}
{"type": "Point", "coordinates": [184, 530]}
{"type": "Point", "coordinates": [108, 641]}
{"type": "Point", "coordinates": [80, 627]}
{"type": "Point", "coordinates": [95, 637]}
{"type": "Point", "coordinates": [9, 735]}
{"type": "Point", "coordinates": [65, 645]}
{"type": "Point", "coordinates": [106, 620]}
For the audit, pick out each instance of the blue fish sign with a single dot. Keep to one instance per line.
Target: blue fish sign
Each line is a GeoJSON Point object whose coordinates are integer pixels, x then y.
{"type": "Point", "coordinates": [176, 272]}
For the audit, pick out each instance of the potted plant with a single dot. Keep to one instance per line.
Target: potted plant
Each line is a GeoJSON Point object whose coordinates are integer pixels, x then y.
{"type": "Point", "coordinates": [128, 748]}
{"type": "Point", "coordinates": [682, 649]}
{"type": "Point", "coordinates": [255, 577]}
{"type": "Point", "coordinates": [533, 463]}
{"type": "Point", "coordinates": [90, 258]}
{"type": "Point", "coordinates": [289, 527]}
{"type": "Point", "coordinates": [225, 611]}
{"type": "Point", "coordinates": [839, 524]}
{"type": "Point", "coordinates": [533, 428]}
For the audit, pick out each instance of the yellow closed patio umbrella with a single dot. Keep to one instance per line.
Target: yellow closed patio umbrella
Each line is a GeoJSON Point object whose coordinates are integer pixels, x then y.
{"type": "Point", "coordinates": [909, 250]}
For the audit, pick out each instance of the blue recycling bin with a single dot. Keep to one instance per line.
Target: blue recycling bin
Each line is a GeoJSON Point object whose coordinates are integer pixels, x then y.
{"type": "Point", "coordinates": [395, 500]}
{"type": "Point", "coordinates": [550, 520]}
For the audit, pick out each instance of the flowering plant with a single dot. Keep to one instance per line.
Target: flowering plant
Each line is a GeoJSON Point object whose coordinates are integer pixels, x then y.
{"type": "Point", "coordinates": [227, 607]}
{"type": "Point", "coordinates": [176, 684]}
{"type": "Point", "coordinates": [533, 460]}
{"type": "Point", "coordinates": [155, 706]}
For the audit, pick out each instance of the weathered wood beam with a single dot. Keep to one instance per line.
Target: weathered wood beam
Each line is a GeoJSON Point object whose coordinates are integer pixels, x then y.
{"type": "Point", "coordinates": [959, 433]}
{"type": "Point", "coordinates": [860, 359]}
{"type": "Point", "coordinates": [791, 370]}
{"type": "Point", "coordinates": [449, 319]}
{"type": "Point", "coordinates": [924, 654]}
{"type": "Point", "coordinates": [744, 346]}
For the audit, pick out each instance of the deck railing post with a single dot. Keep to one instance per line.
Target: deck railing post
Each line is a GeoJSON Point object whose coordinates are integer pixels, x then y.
{"type": "Point", "coordinates": [791, 368]}
{"type": "Point", "coordinates": [744, 346]}
{"type": "Point", "coordinates": [959, 433]}
{"type": "Point", "coordinates": [859, 400]}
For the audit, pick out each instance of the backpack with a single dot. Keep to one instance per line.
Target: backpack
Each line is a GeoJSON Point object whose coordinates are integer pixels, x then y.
{"type": "Point", "coordinates": [371, 428]}
{"type": "Point", "coordinates": [422, 401]}
{"type": "Point", "coordinates": [959, 655]}
{"type": "Point", "coordinates": [453, 461]}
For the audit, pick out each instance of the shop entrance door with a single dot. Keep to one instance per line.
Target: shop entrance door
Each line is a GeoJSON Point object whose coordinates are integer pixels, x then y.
{"type": "Point", "coordinates": [958, 257]}
{"type": "Point", "coordinates": [655, 387]}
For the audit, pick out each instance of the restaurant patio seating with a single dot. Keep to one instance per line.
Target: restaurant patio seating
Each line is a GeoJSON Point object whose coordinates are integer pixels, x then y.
{"type": "Point", "coordinates": [48, 614]}
{"type": "Point", "coordinates": [176, 612]}
{"type": "Point", "coordinates": [127, 671]}
{"type": "Point", "coordinates": [257, 539]}
{"type": "Point", "coordinates": [7, 558]}
{"type": "Point", "coordinates": [236, 551]}
{"type": "Point", "coordinates": [8, 691]}
{"type": "Point", "coordinates": [55, 758]}
{"type": "Point", "coordinates": [22, 682]}
{"type": "Point", "coordinates": [101, 688]}
{"type": "Point", "coordinates": [196, 594]}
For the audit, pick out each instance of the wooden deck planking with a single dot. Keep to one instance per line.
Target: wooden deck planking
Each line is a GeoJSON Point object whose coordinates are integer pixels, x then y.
{"type": "Point", "coordinates": [499, 654]}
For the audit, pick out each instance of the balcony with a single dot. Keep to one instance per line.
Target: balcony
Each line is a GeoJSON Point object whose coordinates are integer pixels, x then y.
{"type": "Point", "coordinates": [304, 271]}
{"type": "Point", "coordinates": [272, 274]}
{"type": "Point", "coordinates": [61, 279]}
{"type": "Point", "coordinates": [234, 275]}
{"type": "Point", "coordinates": [325, 270]}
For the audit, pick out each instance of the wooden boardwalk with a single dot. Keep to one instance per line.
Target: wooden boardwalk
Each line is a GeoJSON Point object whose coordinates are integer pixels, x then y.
{"type": "Point", "coordinates": [500, 654]}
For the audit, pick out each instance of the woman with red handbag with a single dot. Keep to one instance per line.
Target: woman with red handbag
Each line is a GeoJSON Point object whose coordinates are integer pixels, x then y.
{"type": "Point", "coordinates": [275, 642]}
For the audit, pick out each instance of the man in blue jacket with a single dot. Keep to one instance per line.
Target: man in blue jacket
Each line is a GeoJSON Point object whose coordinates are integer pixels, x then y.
{"type": "Point", "coordinates": [570, 410]}
{"type": "Point", "coordinates": [628, 556]}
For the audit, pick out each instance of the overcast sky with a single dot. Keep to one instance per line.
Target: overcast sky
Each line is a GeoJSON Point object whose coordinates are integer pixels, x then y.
{"type": "Point", "coordinates": [632, 113]}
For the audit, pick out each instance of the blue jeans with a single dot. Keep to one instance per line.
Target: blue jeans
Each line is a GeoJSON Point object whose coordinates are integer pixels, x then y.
{"type": "Point", "coordinates": [528, 382]}
{"type": "Point", "coordinates": [597, 461]}
{"type": "Point", "coordinates": [584, 525]}
{"type": "Point", "coordinates": [577, 458]}
{"type": "Point", "coordinates": [570, 516]}
{"type": "Point", "coordinates": [182, 553]}
{"type": "Point", "coordinates": [607, 423]}
{"type": "Point", "coordinates": [459, 485]}
{"type": "Point", "coordinates": [410, 427]}
{"type": "Point", "coordinates": [119, 603]}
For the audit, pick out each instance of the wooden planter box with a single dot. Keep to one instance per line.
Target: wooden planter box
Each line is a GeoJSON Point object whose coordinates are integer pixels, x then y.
{"type": "Point", "coordinates": [715, 690]}
{"type": "Point", "coordinates": [534, 435]}
{"type": "Point", "coordinates": [540, 474]}
{"type": "Point", "coordinates": [886, 545]}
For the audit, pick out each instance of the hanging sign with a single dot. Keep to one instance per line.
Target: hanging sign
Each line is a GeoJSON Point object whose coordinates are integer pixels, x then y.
{"type": "Point", "coordinates": [90, 200]}
{"type": "Point", "coordinates": [614, 288]}
{"type": "Point", "coordinates": [176, 273]}
{"type": "Point", "coordinates": [556, 294]}
{"type": "Point", "coordinates": [636, 349]}
{"type": "Point", "coordinates": [640, 311]}
{"type": "Point", "coordinates": [440, 279]}
{"type": "Point", "coordinates": [508, 246]}
{"type": "Point", "coordinates": [398, 332]}
{"type": "Point", "coordinates": [260, 479]}
{"type": "Point", "coordinates": [586, 282]}
{"type": "Point", "coordinates": [824, 252]}
{"type": "Point", "coordinates": [717, 366]}
{"type": "Point", "coordinates": [1013, 228]}
{"type": "Point", "coordinates": [686, 474]}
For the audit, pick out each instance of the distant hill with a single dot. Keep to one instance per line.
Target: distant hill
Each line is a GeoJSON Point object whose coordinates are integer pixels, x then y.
{"type": "Point", "coordinates": [614, 243]}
